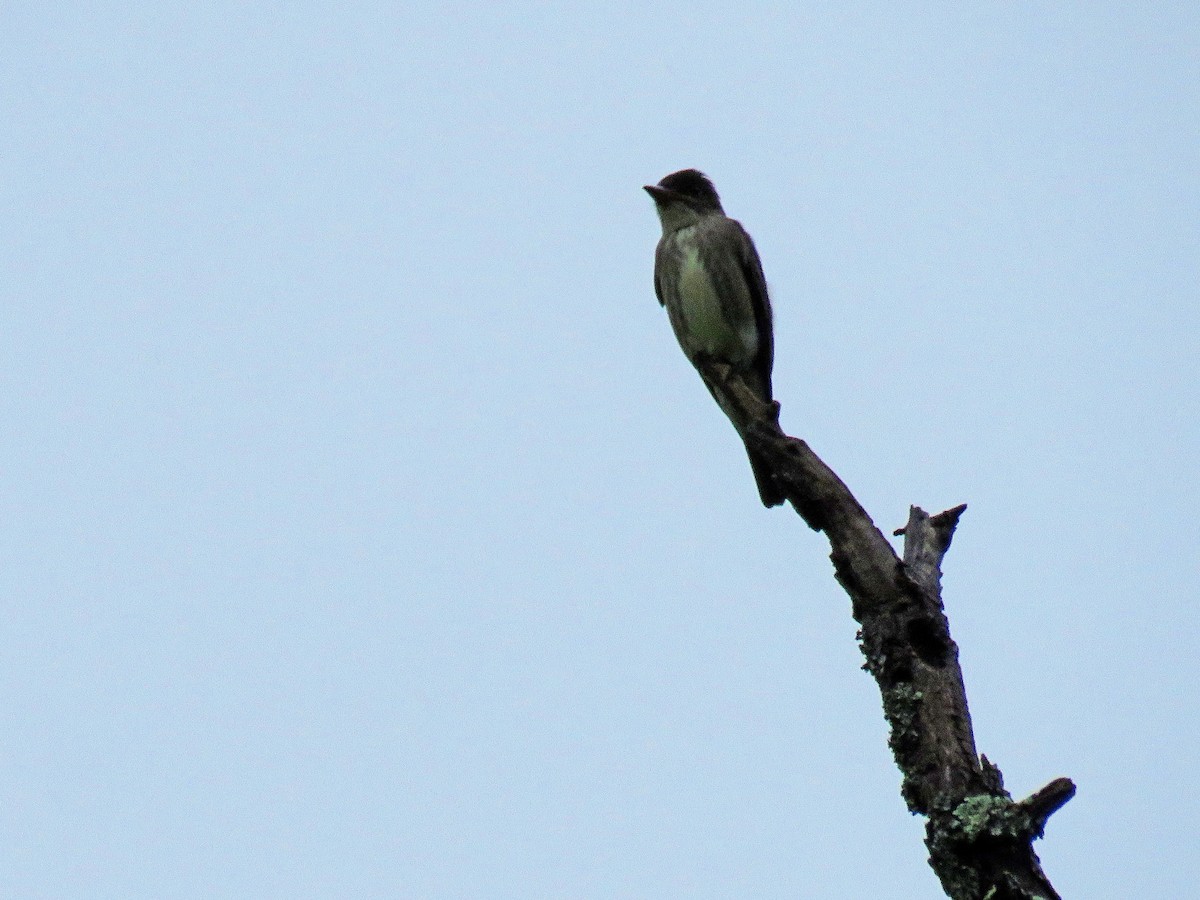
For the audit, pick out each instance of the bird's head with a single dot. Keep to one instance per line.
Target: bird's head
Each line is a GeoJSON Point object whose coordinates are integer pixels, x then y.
{"type": "Point", "coordinates": [683, 197]}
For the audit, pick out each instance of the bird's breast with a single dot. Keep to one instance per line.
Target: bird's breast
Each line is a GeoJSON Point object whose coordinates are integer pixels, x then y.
{"type": "Point", "coordinates": [710, 322]}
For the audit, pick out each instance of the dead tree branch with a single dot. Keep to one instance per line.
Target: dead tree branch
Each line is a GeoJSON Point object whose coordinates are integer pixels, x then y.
{"type": "Point", "coordinates": [980, 840]}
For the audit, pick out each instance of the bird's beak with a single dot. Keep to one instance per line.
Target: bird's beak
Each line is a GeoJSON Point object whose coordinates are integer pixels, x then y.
{"type": "Point", "coordinates": [660, 194]}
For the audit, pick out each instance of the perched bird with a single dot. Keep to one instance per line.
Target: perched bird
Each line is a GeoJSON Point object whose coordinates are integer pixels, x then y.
{"type": "Point", "coordinates": [708, 276]}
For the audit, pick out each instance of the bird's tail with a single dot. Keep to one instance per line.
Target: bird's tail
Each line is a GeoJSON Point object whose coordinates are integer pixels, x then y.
{"type": "Point", "coordinates": [768, 490]}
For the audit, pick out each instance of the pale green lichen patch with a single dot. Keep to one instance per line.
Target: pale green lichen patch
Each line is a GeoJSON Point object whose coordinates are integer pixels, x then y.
{"type": "Point", "coordinates": [986, 816]}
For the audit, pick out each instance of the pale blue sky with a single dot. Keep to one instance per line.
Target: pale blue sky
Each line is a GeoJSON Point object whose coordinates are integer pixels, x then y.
{"type": "Point", "coordinates": [367, 535]}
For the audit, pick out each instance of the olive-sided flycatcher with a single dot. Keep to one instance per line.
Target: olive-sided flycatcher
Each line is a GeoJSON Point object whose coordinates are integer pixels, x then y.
{"type": "Point", "coordinates": [709, 277]}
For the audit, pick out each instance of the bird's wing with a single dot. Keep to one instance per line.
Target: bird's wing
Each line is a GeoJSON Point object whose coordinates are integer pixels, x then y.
{"type": "Point", "coordinates": [658, 264]}
{"type": "Point", "coordinates": [756, 283]}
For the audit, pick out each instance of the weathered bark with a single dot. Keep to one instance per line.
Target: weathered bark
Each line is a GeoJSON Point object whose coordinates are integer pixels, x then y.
{"type": "Point", "coordinates": [980, 840]}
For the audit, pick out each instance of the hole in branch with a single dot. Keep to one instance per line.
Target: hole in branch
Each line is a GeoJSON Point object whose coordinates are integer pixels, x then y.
{"type": "Point", "coordinates": [928, 641]}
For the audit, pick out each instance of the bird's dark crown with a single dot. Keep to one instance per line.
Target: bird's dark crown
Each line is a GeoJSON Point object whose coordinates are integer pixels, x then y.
{"type": "Point", "coordinates": [693, 185]}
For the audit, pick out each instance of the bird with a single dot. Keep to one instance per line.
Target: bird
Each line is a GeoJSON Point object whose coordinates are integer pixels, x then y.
{"type": "Point", "coordinates": [708, 275]}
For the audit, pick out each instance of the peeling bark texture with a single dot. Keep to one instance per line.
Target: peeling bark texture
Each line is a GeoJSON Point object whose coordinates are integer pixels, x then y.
{"type": "Point", "coordinates": [980, 840]}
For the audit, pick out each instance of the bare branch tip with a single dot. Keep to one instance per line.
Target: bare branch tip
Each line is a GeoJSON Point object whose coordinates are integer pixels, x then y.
{"type": "Point", "coordinates": [916, 515]}
{"type": "Point", "coordinates": [1043, 803]}
{"type": "Point", "coordinates": [950, 517]}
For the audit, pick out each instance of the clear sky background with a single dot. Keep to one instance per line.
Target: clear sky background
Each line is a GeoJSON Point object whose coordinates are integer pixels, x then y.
{"type": "Point", "coordinates": [367, 535]}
